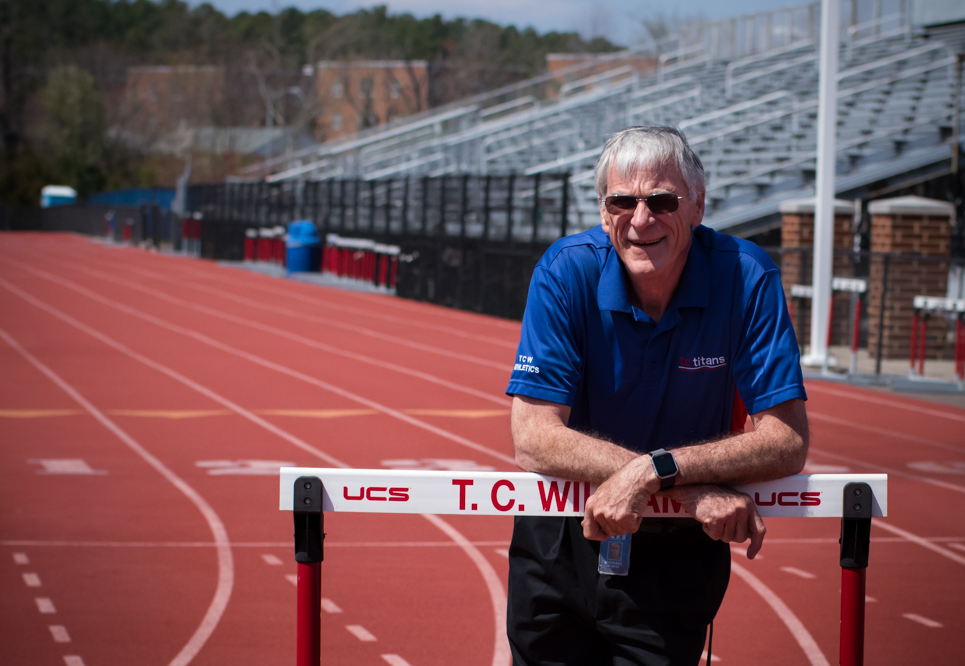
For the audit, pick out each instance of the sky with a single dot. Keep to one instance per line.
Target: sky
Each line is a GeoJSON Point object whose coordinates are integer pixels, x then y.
{"type": "Point", "coordinates": [618, 20]}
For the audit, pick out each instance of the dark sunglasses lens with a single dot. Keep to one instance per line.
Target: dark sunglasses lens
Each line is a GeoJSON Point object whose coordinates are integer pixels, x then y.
{"type": "Point", "coordinates": [662, 203]}
{"type": "Point", "coordinates": [620, 204]}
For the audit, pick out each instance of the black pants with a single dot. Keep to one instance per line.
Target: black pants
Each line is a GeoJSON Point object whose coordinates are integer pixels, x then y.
{"type": "Point", "coordinates": [562, 612]}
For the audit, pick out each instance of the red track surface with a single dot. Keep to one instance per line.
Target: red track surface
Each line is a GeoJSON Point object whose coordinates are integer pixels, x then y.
{"type": "Point", "coordinates": [181, 361]}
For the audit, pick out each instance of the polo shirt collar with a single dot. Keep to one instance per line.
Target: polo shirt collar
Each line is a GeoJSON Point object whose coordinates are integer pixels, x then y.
{"type": "Point", "coordinates": [692, 291]}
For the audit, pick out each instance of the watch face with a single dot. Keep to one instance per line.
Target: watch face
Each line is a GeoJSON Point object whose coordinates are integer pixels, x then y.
{"type": "Point", "coordinates": [664, 464]}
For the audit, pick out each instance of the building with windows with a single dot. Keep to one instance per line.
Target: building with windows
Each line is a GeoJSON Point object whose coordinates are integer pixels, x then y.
{"type": "Point", "coordinates": [356, 95]}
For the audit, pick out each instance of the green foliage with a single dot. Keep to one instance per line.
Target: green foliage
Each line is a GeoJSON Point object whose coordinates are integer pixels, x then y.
{"type": "Point", "coordinates": [72, 131]}
{"type": "Point", "coordinates": [65, 142]}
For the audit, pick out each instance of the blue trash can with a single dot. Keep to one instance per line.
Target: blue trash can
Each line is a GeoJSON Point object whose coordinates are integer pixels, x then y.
{"type": "Point", "coordinates": [304, 248]}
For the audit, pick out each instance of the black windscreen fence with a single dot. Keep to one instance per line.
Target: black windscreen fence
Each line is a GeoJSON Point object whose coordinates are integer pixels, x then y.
{"type": "Point", "coordinates": [467, 241]}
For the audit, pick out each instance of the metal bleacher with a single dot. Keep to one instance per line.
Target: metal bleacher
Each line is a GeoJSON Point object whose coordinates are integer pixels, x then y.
{"type": "Point", "coordinates": [743, 90]}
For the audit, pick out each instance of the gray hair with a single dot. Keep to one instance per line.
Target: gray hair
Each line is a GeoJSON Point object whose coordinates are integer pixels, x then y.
{"type": "Point", "coordinates": [636, 148]}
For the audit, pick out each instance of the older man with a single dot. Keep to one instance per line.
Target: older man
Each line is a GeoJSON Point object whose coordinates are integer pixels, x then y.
{"type": "Point", "coordinates": [647, 334]}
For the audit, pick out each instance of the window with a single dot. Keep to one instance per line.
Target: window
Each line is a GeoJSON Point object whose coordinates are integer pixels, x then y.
{"type": "Point", "coordinates": [365, 87]}
{"type": "Point", "coordinates": [337, 90]}
{"type": "Point", "coordinates": [395, 89]}
{"type": "Point", "coordinates": [337, 121]}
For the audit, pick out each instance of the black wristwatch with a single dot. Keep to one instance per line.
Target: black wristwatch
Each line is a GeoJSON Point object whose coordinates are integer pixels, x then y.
{"type": "Point", "coordinates": [665, 466]}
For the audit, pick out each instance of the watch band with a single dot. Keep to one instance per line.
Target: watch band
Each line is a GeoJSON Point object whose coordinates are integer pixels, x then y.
{"type": "Point", "coordinates": [665, 467]}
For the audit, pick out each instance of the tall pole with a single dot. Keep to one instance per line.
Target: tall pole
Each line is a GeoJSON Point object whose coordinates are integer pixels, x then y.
{"type": "Point", "coordinates": [824, 204]}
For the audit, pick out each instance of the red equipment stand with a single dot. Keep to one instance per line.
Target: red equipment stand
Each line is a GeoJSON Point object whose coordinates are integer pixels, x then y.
{"type": "Point", "coordinates": [309, 541]}
{"type": "Point", "coordinates": [309, 537]}
{"type": "Point", "coordinates": [855, 544]}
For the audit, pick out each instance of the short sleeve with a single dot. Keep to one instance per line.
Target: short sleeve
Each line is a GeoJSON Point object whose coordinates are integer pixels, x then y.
{"type": "Point", "coordinates": [767, 367]}
{"type": "Point", "coordinates": [549, 361]}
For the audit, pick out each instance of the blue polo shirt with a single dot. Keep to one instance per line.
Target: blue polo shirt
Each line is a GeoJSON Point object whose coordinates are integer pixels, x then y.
{"type": "Point", "coordinates": [647, 385]}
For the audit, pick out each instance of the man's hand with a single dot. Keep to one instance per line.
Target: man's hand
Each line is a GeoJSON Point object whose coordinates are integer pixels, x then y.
{"type": "Point", "coordinates": [725, 514]}
{"type": "Point", "coordinates": [618, 504]}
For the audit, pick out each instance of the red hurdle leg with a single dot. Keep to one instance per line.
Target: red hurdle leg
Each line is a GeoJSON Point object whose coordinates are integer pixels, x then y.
{"type": "Point", "coordinates": [852, 616]}
{"type": "Point", "coordinates": [395, 272]}
{"type": "Point", "coordinates": [308, 632]}
{"type": "Point", "coordinates": [855, 546]}
{"type": "Point", "coordinates": [960, 348]}
{"type": "Point", "coordinates": [855, 334]}
{"type": "Point", "coordinates": [309, 553]}
{"type": "Point", "coordinates": [921, 345]}
{"type": "Point", "coordinates": [914, 343]}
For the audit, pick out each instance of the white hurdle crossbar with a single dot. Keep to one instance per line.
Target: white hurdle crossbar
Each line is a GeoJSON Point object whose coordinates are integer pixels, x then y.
{"type": "Point", "coordinates": [311, 491]}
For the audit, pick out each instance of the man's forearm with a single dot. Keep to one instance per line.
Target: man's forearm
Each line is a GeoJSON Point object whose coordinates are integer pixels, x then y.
{"type": "Point", "coordinates": [545, 445]}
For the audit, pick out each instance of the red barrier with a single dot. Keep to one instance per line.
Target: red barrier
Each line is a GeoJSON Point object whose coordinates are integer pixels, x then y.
{"type": "Point", "coordinates": [308, 629]}
{"type": "Point", "coordinates": [852, 616]}
{"type": "Point", "coordinates": [921, 344]}
{"type": "Point", "coordinates": [856, 332]}
{"type": "Point", "coordinates": [960, 347]}
{"type": "Point", "coordinates": [914, 343]}
{"type": "Point", "coordinates": [395, 269]}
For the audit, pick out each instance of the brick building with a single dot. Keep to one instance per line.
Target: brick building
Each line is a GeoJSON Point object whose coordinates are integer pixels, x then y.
{"type": "Point", "coordinates": [355, 95]}
{"type": "Point", "coordinates": [159, 99]}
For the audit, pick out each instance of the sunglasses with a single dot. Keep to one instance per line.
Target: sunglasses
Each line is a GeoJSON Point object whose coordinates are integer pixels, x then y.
{"type": "Point", "coordinates": [663, 202]}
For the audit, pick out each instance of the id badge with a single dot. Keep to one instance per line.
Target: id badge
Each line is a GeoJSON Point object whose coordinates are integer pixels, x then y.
{"type": "Point", "coordinates": [615, 555]}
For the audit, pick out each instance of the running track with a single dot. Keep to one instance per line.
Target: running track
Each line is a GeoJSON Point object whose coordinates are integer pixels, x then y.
{"type": "Point", "coordinates": [164, 381]}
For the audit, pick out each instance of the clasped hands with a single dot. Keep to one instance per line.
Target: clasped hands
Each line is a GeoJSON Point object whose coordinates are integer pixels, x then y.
{"type": "Point", "coordinates": [618, 505]}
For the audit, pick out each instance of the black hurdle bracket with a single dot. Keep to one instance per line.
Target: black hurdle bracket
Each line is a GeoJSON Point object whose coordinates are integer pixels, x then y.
{"type": "Point", "coordinates": [309, 520]}
{"type": "Point", "coordinates": [856, 526]}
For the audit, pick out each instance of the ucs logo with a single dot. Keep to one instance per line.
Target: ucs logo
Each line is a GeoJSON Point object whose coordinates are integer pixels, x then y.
{"type": "Point", "coordinates": [789, 499]}
{"type": "Point", "coordinates": [378, 494]}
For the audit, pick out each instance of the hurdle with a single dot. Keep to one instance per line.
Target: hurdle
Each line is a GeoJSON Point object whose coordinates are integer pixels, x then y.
{"type": "Point", "coordinates": [309, 492]}
{"type": "Point", "coordinates": [924, 307]}
{"type": "Point", "coordinates": [361, 259]}
{"type": "Point", "coordinates": [855, 287]}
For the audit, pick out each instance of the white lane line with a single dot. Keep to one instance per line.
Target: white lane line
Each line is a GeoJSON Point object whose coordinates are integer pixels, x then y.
{"type": "Point", "coordinates": [870, 600]}
{"type": "Point", "coordinates": [45, 605]}
{"type": "Point", "coordinates": [791, 621]}
{"type": "Point", "coordinates": [395, 660]}
{"type": "Point", "coordinates": [713, 657]}
{"type": "Point", "coordinates": [501, 652]}
{"type": "Point", "coordinates": [914, 538]}
{"type": "Point", "coordinates": [436, 351]}
{"type": "Point", "coordinates": [31, 579]}
{"type": "Point", "coordinates": [800, 573]}
{"type": "Point", "coordinates": [361, 633]}
{"type": "Point", "coordinates": [310, 342]}
{"type": "Point", "coordinates": [921, 619]}
{"type": "Point", "coordinates": [328, 544]}
{"type": "Point", "coordinates": [330, 606]}
{"type": "Point", "coordinates": [292, 578]}
{"type": "Point", "coordinates": [273, 560]}
{"type": "Point", "coordinates": [372, 313]}
{"type": "Point", "coordinates": [226, 568]}
{"type": "Point", "coordinates": [59, 633]}
{"type": "Point", "coordinates": [957, 546]}
{"type": "Point", "coordinates": [884, 432]}
{"type": "Point", "coordinates": [502, 551]}
{"type": "Point", "coordinates": [918, 408]}
{"type": "Point", "coordinates": [73, 660]}
{"type": "Point", "coordinates": [258, 360]}
{"type": "Point", "coordinates": [890, 470]}
{"type": "Point", "coordinates": [21, 558]}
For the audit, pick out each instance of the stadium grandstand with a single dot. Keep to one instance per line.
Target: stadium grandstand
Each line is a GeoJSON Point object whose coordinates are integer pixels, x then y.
{"type": "Point", "coordinates": [744, 90]}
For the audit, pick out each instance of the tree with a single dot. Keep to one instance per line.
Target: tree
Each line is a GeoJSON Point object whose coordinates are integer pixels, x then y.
{"type": "Point", "coordinates": [73, 126]}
